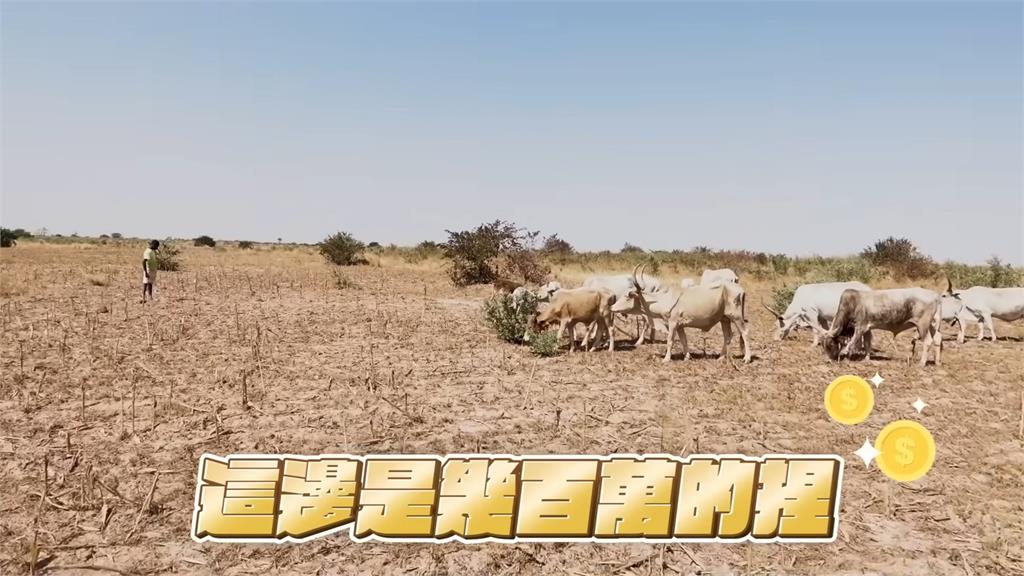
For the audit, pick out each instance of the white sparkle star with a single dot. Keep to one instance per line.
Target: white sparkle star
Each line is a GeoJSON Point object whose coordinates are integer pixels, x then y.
{"type": "Point", "coordinates": [919, 405]}
{"type": "Point", "coordinates": [877, 379]}
{"type": "Point", "coordinates": [867, 453]}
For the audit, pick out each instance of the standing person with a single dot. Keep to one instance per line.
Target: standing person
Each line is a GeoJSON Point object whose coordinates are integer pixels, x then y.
{"type": "Point", "coordinates": [149, 269]}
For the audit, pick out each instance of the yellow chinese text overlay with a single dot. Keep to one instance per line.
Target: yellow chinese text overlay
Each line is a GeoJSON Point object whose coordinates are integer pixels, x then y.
{"type": "Point", "coordinates": [509, 498]}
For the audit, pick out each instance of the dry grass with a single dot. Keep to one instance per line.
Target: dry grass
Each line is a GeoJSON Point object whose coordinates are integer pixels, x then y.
{"type": "Point", "coordinates": [119, 400]}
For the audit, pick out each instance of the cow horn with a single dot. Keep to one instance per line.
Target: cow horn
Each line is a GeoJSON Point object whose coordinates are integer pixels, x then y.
{"type": "Point", "coordinates": [772, 310]}
{"type": "Point", "coordinates": [635, 281]}
{"type": "Point", "coordinates": [949, 285]}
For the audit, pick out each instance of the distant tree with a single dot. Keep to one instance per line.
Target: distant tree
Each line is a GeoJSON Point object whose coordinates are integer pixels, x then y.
{"type": "Point", "coordinates": [22, 233]}
{"type": "Point", "coordinates": [628, 248]}
{"type": "Point", "coordinates": [1001, 275]}
{"type": "Point", "coordinates": [900, 256]}
{"type": "Point", "coordinates": [373, 245]}
{"type": "Point", "coordinates": [7, 238]}
{"type": "Point", "coordinates": [557, 246]}
{"type": "Point", "coordinates": [116, 235]}
{"type": "Point", "coordinates": [104, 236]}
{"type": "Point", "coordinates": [245, 244]}
{"type": "Point", "coordinates": [204, 241]}
{"type": "Point", "coordinates": [342, 249]}
{"type": "Point", "coordinates": [490, 251]}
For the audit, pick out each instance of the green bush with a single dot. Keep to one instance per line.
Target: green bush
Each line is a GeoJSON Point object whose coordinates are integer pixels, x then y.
{"type": "Point", "coordinates": [245, 244]}
{"type": "Point", "coordinates": [342, 249]}
{"type": "Point", "coordinates": [7, 238]}
{"type": "Point", "coordinates": [491, 251]}
{"type": "Point", "coordinates": [545, 344]}
{"type": "Point", "coordinates": [204, 241]}
{"type": "Point", "coordinates": [167, 258]}
{"type": "Point", "coordinates": [996, 274]}
{"type": "Point", "coordinates": [509, 318]}
{"type": "Point", "coordinates": [781, 297]}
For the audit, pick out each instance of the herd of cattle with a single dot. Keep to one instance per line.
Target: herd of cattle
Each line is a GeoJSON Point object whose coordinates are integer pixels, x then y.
{"type": "Point", "coordinates": [840, 314]}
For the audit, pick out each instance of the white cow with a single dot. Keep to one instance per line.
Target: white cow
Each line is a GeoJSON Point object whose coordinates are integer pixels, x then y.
{"type": "Point", "coordinates": [620, 285]}
{"type": "Point", "coordinates": [722, 275]}
{"type": "Point", "coordinates": [698, 307]}
{"type": "Point", "coordinates": [813, 305]}
{"type": "Point", "coordinates": [981, 304]}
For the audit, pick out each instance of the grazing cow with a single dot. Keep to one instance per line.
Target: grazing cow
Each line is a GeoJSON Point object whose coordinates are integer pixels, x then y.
{"type": "Point", "coordinates": [698, 307]}
{"type": "Point", "coordinates": [720, 276]}
{"type": "Point", "coordinates": [812, 305]}
{"type": "Point", "coordinates": [981, 304]}
{"type": "Point", "coordinates": [573, 306]}
{"type": "Point", "coordinates": [893, 310]}
{"type": "Point", "coordinates": [620, 285]}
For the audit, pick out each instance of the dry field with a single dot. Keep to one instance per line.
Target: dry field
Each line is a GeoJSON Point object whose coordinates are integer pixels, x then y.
{"type": "Point", "coordinates": [117, 401]}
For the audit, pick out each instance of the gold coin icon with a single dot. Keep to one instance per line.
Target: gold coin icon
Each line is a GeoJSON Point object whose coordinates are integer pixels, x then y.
{"type": "Point", "coordinates": [906, 450]}
{"type": "Point", "coordinates": [849, 399]}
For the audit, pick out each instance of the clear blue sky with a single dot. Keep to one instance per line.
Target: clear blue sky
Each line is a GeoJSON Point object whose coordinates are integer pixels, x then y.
{"type": "Point", "coordinates": [785, 127]}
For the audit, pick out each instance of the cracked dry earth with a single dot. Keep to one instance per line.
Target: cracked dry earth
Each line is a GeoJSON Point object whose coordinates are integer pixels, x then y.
{"type": "Point", "coordinates": [117, 401]}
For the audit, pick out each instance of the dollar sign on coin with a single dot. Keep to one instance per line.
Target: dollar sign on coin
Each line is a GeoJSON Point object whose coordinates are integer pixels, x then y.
{"type": "Point", "coordinates": [906, 450]}
{"type": "Point", "coordinates": [849, 399]}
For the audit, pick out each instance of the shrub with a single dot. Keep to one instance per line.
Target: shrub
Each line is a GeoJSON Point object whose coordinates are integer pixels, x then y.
{"type": "Point", "coordinates": [1001, 275]}
{"type": "Point", "coordinates": [780, 263]}
{"type": "Point", "coordinates": [342, 249]}
{"type": "Point", "coordinates": [545, 344]}
{"type": "Point", "coordinates": [7, 238]}
{"type": "Point", "coordinates": [556, 246]}
{"type": "Point", "coordinates": [509, 318]}
{"type": "Point", "coordinates": [245, 244]}
{"type": "Point", "coordinates": [167, 257]}
{"type": "Point", "coordinates": [116, 235]}
{"type": "Point", "coordinates": [104, 236]}
{"type": "Point", "coordinates": [204, 241]}
{"type": "Point", "coordinates": [490, 251]}
{"type": "Point", "coordinates": [373, 245]}
{"type": "Point", "coordinates": [628, 248]}
{"type": "Point", "coordinates": [901, 257]}
{"type": "Point", "coordinates": [781, 297]}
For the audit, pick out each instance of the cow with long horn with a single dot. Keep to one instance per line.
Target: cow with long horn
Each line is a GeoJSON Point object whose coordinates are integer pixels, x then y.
{"type": "Point", "coordinates": [697, 307]}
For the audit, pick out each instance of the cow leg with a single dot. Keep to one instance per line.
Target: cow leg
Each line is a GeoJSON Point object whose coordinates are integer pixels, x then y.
{"type": "Point", "coordinates": [987, 317]}
{"type": "Point", "coordinates": [610, 326]}
{"type": "Point", "coordinates": [686, 343]}
{"type": "Point", "coordinates": [571, 326]}
{"type": "Point", "coordinates": [811, 315]}
{"type": "Point", "coordinates": [937, 343]}
{"type": "Point", "coordinates": [961, 333]}
{"type": "Point", "coordinates": [741, 327]}
{"type": "Point", "coordinates": [669, 340]}
{"type": "Point", "coordinates": [726, 339]}
{"type": "Point", "coordinates": [640, 333]}
{"type": "Point", "coordinates": [867, 344]}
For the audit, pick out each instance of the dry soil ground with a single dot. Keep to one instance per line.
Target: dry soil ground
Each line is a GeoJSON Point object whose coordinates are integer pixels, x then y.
{"type": "Point", "coordinates": [111, 395]}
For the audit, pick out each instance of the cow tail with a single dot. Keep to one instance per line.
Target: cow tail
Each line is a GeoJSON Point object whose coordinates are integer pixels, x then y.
{"type": "Point", "coordinates": [743, 306]}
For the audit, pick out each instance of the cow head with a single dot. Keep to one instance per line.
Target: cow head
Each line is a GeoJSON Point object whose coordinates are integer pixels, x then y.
{"type": "Point", "coordinates": [831, 344]}
{"type": "Point", "coordinates": [545, 292]}
{"type": "Point", "coordinates": [633, 301]}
